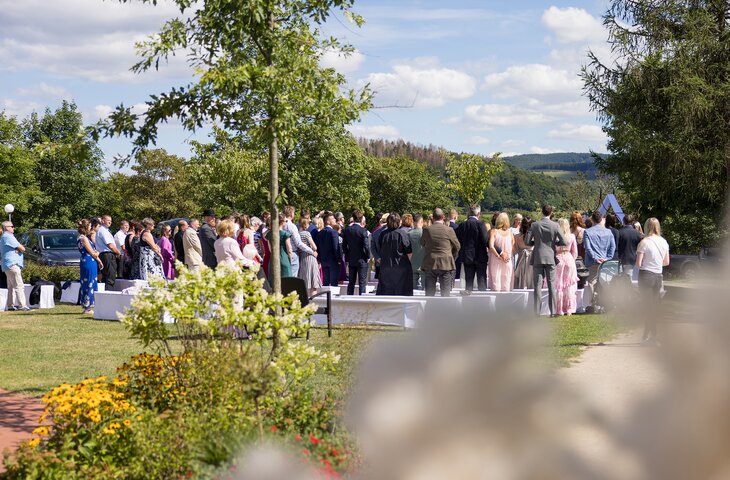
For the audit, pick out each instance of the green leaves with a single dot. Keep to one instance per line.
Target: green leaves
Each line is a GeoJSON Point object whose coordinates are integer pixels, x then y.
{"type": "Point", "coordinates": [664, 104]}
{"type": "Point", "coordinates": [469, 175]}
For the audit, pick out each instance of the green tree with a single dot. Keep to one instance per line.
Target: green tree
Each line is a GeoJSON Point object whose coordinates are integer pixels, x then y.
{"type": "Point", "coordinates": [665, 103]}
{"type": "Point", "coordinates": [469, 175]}
{"type": "Point", "coordinates": [229, 176]}
{"type": "Point", "coordinates": [258, 75]}
{"type": "Point", "coordinates": [159, 188]}
{"type": "Point", "coordinates": [402, 184]}
{"type": "Point", "coordinates": [326, 170]}
{"type": "Point", "coordinates": [68, 169]}
{"type": "Point", "coordinates": [18, 185]}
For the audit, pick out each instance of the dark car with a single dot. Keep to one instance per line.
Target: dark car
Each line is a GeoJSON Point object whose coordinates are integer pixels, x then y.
{"type": "Point", "coordinates": [51, 247]}
{"type": "Point", "coordinates": [689, 266]}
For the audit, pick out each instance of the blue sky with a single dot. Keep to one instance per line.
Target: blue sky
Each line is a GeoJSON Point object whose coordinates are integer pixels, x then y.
{"type": "Point", "coordinates": [477, 76]}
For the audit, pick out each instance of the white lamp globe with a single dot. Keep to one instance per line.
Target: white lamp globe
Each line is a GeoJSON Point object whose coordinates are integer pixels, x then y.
{"type": "Point", "coordinates": [9, 208]}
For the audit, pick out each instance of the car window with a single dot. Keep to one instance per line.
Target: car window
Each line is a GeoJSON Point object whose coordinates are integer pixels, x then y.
{"type": "Point", "coordinates": [32, 240]}
{"type": "Point", "coordinates": [58, 241]}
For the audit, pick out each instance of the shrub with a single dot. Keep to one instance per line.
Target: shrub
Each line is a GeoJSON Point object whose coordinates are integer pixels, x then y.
{"type": "Point", "coordinates": [169, 415]}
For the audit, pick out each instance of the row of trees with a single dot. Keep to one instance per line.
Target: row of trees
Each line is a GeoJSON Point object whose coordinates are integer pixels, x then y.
{"type": "Point", "coordinates": [54, 174]}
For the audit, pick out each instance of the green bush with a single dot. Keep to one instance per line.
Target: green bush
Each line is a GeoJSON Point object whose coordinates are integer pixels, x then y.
{"type": "Point", "coordinates": [55, 274]}
{"type": "Point", "coordinates": [167, 416]}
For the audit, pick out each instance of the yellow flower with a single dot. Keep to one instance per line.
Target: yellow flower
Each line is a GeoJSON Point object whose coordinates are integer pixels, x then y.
{"type": "Point", "coordinates": [34, 443]}
{"type": "Point", "coordinates": [41, 431]}
{"type": "Point", "coordinates": [126, 422]}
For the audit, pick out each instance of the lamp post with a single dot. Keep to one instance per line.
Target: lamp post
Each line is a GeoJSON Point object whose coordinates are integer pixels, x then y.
{"type": "Point", "coordinates": [9, 209]}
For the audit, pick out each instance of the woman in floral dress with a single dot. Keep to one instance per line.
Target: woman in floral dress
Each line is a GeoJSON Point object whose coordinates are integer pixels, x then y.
{"type": "Point", "coordinates": [89, 266]}
{"type": "Point", "coordinates": [150, 256]}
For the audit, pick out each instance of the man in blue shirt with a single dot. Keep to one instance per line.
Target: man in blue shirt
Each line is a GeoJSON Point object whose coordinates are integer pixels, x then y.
{"type": "Point", "coordinates": [12, 253]}
{"type": "Point", "coordinates": [600, 247]}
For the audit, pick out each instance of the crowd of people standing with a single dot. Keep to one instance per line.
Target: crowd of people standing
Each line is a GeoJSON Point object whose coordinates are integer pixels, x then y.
{"type": "Point", "coordinates": [406, 252]}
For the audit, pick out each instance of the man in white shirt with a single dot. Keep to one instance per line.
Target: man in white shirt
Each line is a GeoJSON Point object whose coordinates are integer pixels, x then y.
{"type": "Point", "coordinates": [119, 239]}
{"type": "Point", "coordinates": [296, 240]}
{"type": "Point", "coordinates": [108, 252]}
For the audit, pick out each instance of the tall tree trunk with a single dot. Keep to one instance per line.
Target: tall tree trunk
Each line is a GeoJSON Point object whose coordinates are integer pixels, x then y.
{"type": "Point", "coordinates": [275, 267]}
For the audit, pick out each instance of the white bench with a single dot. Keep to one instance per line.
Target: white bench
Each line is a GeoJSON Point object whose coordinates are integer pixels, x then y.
{"type": "Point", "coordinates": [46, 300]}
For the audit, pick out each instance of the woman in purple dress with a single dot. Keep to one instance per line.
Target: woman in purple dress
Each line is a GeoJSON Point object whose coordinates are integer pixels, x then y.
{"type": "Point", "coordinates": [168, 259]}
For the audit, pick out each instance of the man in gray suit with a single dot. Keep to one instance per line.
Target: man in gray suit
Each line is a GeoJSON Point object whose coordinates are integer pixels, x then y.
{"type": "Point", "coordinates": [545, 235]}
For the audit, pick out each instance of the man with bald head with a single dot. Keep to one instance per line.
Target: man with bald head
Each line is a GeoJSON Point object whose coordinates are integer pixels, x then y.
{"type": "Point", "coordinates": [441, 247]}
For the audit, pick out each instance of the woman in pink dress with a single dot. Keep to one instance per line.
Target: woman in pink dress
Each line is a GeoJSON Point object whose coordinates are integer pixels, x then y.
{"type": "Point", "coordinates": [501, 246]}
{"type": "Point", "coordinates": [168, 259]}
{"type": "Point", "coordinates": [566, 274]}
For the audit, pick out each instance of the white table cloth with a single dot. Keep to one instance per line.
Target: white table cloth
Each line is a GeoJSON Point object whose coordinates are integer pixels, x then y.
{"type": "Point", "coordinates": [46, 300]}
{"type": "Point", "coordinates": [71, 293]}
{"type": "Point", "coordinates": [403, 311]}
{"type": "Point", "coordinates": [123, 284]}
{"type": "Point", "coordinates": [109, 304]}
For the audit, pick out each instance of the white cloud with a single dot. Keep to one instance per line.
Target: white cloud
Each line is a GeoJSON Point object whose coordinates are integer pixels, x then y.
{"type": "Point", "coordinates": [342, 63]}
{"type": "Point", "coordinates": [81, 38]}
{"type": "Point", "coordinates": [543, 150]}
{"type": "Point", "coordinates": [568, 131]}
{"type": "Point", "coordinates": [14, 108]}
{"type": "Point", "coordinates": [497, 115]}
{"type": "Point", "coordinates": [477, 140]}
{"type": "Point", "coordinates": [388, 132]}
{"type": "Point", "coordinates": [409, 85]}
{"type": "Point", "coordinates": [513, 143]}
{"type": "Point", "coordinates": [535, 81]}
{"type": "Point", "coordinates": [43, 90]}
{"type": "Point", "coordinates": [573, 25]}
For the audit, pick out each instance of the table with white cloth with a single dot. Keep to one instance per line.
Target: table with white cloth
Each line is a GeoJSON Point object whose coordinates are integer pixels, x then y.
{"type": "Point", "coordinates": [46, 300]}
{"type": "Point", "coordinates": [70, 294]}
{"type": "Point", "coordinates": [121, 284]}
{"type": "Point", "coordinates": [400, 311]}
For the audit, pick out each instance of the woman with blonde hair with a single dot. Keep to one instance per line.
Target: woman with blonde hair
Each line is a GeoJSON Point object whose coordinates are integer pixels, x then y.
{"type": "Point", "coordinates": [652, 255]}
{"type": "Point", "coordinates": [226, 247]}
{"type": "Point", "coordinates": [566, 273]}
{"type": "Point", "coordinates": [501, 246]}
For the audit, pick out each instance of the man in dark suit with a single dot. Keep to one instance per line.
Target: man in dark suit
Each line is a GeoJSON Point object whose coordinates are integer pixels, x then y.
{"type": "Point", "coordinates": [474, 239]}
{"type": "Point", "coordinates": [441, 246]}
{"type": "Point", "coordinates": [453, 219]}
{"type": "Point", "coordinates": [208, 237]}
{"type": "Point", "coordinates": [328, 251]}
{"type": "Point", "coordinates": [182, 225]}
{"type": "Point", "coordinates": [545, 235]}
{"type": "Point", "coordinates": [357, 253]}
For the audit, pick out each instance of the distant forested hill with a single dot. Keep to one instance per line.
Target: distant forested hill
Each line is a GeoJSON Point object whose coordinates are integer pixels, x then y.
{"type": "Point", "coordinates": [561, 165]}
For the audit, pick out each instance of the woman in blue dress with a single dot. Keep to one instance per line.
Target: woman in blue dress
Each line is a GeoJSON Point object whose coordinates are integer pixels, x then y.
{"type": "Point", "coordinates": [89, 266]}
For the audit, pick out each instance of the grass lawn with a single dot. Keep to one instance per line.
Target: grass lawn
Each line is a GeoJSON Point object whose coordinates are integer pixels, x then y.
{"type": "Point", "coordinates": [43, 348]}
{"type": "Point", "coordinates": [572, 333]}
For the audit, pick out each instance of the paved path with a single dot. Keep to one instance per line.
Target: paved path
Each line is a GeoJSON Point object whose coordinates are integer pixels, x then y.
{"type": "Point", "coordinates": [18, 417]}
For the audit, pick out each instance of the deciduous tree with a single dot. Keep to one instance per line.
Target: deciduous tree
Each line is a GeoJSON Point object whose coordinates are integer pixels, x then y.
{"type": "Point", "coordinates": [258, 75]}
{"type": "Point", "coordinates": [469, 175]}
